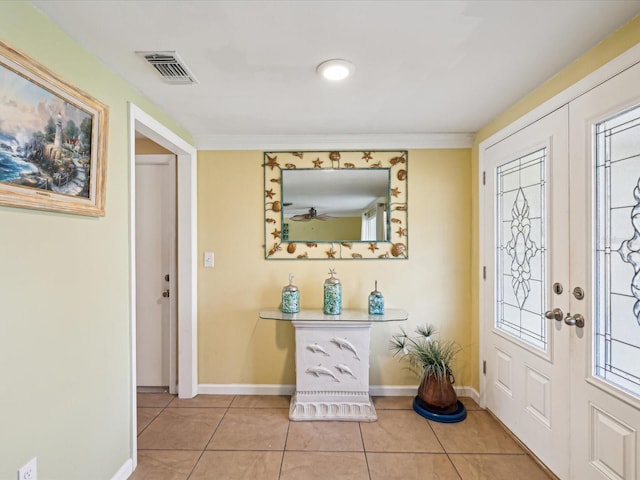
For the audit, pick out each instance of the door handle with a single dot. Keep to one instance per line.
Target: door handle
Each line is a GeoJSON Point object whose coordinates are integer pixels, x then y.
{"type": "Point", "coordinates": [166, 293]}
{"type": "Point", "coordinates": [555, 314]}
{"type": "Point", "coordinates": [577, 320]}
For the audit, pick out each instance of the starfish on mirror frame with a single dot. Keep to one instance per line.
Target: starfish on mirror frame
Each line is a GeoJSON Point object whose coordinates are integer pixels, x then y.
{"type": "Point", "coordinates": [366, 156]}
{"type": "Point", "coordinates": [317, 163]}
{"type": "Point", "coordinates": [269, 193]}
{"type": "Point", "coordinates": [373, 247]}
{"type": "Point", "coordinates": [272, 162]}
{"type": "Point", "coordinates": [276, 233]}
{"type": "Point", "coordinates": [395, 191]}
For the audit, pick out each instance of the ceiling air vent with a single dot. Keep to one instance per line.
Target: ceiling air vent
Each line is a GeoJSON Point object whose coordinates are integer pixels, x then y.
{"type": "Point", "coordinates": [170, 67]}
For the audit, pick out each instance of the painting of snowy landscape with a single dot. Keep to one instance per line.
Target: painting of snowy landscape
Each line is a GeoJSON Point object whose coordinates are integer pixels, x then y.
{"type": "Point", "coordinates": [47, 140]}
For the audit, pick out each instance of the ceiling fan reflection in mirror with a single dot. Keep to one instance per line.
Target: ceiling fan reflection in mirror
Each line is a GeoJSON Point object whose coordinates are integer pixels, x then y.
{"type": "Point", "coordinates": [312, 215]}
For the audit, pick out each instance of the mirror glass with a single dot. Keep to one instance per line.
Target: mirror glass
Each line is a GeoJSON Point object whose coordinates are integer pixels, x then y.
{"type": "Point", "coordinates": [336, 205]}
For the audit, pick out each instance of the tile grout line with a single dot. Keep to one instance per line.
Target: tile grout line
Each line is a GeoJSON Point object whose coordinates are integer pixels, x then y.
{"type": "Point", "coordinates": [364, 450]}
{"type": "Point", "coordinates": [444, 449]}
{"type": "Point", "coordinates": [284, 448]}
{"type": "Point", "coordinates": [162, 409]}
{"type": "Point", "coordinates": [210, 438]}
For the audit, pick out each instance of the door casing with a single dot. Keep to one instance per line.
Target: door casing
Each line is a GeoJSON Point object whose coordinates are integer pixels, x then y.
{"type": "Point", "coordinates": [187, 214]}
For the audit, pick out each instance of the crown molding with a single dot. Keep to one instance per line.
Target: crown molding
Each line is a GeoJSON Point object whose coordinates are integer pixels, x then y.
{"type": "Point", "coordinates": [334, 142]}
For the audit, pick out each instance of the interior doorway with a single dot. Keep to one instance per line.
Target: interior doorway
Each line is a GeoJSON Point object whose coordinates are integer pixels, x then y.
{"type": "Point", "coordinates": [140, 123]}
{"type": "Point", "coordinates": [156, 272]}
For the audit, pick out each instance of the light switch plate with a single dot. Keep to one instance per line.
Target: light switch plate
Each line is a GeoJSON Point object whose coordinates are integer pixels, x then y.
{"type": "Point", "coordinates": [208, 259]}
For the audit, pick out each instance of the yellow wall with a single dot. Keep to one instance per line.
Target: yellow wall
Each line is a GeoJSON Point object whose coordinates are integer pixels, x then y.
{"type": "Point", "coordinates": [64, 291]}
{"type": "Point", "coordinates": [145, 146]}
{"type": "Point", "coordinates": [433, 285]}
{"type": "Point", "coordinates": [614, 45]}
{"type": "Point", "coordinates": [342, 228]}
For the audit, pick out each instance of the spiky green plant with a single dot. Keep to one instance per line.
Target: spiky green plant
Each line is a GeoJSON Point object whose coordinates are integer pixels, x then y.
{"type": "Point", "coordinates": [426, 355]}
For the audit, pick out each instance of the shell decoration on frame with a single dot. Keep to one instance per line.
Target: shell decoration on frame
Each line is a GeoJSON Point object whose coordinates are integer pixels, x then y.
{"type": "Point", "coordinates": [334, 156]}
{"type": "Point", "coordinates": [278, 243]}
{"type": "Point", "coordinates": [398, 249]}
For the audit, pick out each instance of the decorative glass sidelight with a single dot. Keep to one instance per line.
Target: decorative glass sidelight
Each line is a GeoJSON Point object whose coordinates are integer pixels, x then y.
{"type": "Point", "coordinates": [617, 251]}
{"type": "Point", "coordinates": [521, 249]}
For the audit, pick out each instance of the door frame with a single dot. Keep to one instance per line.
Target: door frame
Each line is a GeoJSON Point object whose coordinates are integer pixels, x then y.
{"type": "Point", "coordinates": [187, 215]}
{"type": "Point", "coordinates": [595, 78]}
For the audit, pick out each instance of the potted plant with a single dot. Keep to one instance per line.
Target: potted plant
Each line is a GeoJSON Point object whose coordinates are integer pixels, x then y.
{"type": "Point", "coordinates": [431, 359]}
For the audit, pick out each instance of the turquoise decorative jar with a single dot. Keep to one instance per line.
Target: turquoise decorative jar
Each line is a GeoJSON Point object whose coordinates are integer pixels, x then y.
{"type": "Point", "coordinates": [290, 297]}
{"type": "Point", "coordinates": [376, 302]}
{"type": "Point", "coordinates": [332, 295]}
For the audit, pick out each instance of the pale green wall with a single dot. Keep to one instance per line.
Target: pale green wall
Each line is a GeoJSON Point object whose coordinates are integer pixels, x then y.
{"type": "Point", "coordinates": [64, 293]}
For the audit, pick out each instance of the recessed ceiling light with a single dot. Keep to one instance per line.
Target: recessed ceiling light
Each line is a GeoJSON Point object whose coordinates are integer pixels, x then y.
{"type": "Point", "coordinates": [335, 69]}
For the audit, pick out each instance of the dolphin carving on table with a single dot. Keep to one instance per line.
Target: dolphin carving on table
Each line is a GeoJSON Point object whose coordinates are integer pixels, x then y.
{"type": "Point", "coordinates": [315, 348]}
{"type": "Point", "coordinates": [320, 370]}
{"type": "Point", "coordinates": [343, 344]}
{"type": "Point", "coordinates": [342, 368]}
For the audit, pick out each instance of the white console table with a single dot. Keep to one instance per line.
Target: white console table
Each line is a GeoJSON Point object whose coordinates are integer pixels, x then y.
{"type": "Point", "coordinates": [332, 363]}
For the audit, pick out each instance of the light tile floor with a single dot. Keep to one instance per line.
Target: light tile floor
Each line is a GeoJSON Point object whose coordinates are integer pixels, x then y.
{"type": "Point", "coordinates": [250, 437]}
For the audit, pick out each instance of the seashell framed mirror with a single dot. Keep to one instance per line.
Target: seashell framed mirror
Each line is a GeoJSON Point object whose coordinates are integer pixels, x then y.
{"type": "Point", "coordinates": [336, 205]}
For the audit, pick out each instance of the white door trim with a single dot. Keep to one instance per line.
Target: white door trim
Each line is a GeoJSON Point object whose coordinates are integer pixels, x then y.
{"type": "Point", "coordinates": [602, 74]}
{"type": "Point", "coordinates": [186, 156]}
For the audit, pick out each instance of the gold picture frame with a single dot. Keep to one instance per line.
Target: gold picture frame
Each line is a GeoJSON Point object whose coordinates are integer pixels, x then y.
{"type": "Point", "coordinates": [53, 140]}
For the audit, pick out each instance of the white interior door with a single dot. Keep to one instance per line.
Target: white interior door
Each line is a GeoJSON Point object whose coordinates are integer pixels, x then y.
{"type": "Point", "coordinates": [525, 253]}
{"type": "Point", "coordinates": [605, 263]}
{"type": "Point", "coordinates": [155, 270]}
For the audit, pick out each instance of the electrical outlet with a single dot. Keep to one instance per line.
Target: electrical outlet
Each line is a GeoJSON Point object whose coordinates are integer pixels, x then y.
{"type": "Point", "coordinates": [29, 471]}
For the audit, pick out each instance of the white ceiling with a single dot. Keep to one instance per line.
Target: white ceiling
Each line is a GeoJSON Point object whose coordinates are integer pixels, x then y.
{"type": "Point", "coordinates": [422, 67]}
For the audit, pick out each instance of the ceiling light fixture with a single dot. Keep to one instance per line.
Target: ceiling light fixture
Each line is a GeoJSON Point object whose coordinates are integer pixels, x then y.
{"type": "Point", "coordinates": [335, 69]}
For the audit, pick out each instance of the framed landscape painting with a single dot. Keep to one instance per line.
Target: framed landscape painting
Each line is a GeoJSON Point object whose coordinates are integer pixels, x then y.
{"type": "Point", "coordinates": [52, 140]}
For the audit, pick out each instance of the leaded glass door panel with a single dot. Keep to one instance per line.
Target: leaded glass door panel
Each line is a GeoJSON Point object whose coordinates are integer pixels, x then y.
{"type": "Point", "coordinates": [605, 262]}
{"type": "Point", "coordinates": [526, 199]}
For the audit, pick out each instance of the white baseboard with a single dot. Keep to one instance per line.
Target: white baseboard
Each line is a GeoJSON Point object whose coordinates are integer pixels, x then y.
{"type": "Point", "coordinates": [274, 389]}
{"type": "Point", "coordinates": [124, 471]}
{"type": "Point", "coordinates": [244, 389]}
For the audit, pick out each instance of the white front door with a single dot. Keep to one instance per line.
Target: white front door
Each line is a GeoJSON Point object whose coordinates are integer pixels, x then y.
{"type": "Point", "coordinates": [155, 270]}
{"type": "Point", "coordinates": [525, 251]}
{"type": "Point", "coordinates": [605, 263]}
{"type": "Point", "coordinates": [561, 301]}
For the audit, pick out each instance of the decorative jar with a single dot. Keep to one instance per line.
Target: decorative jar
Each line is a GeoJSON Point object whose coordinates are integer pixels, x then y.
{"type": "Point", "coordinates": [290, 297]}
{"type": "Point", "coordinates": [332, 295]}
{"type": "Point", "coordinates": [376, 302]}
